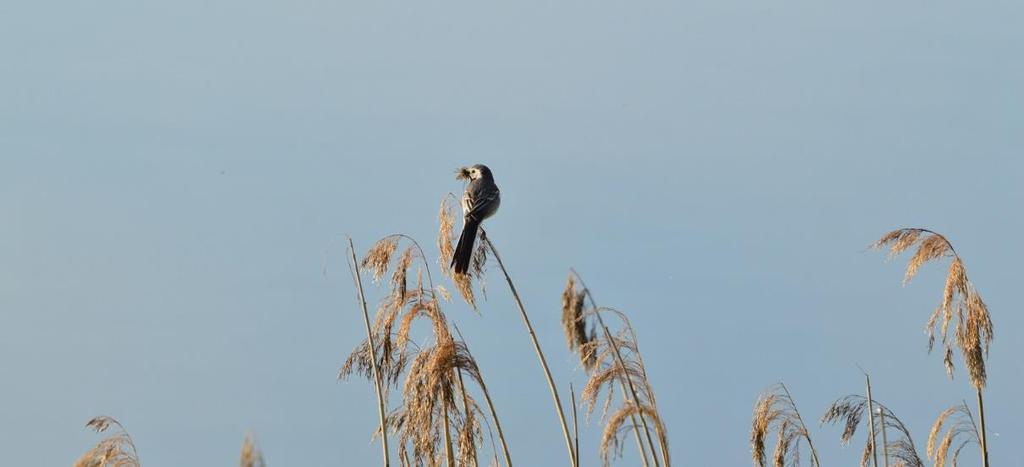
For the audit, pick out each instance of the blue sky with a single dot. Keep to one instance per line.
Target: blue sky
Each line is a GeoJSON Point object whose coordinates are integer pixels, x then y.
{"type": "Point", "coordinates": [172, 176]}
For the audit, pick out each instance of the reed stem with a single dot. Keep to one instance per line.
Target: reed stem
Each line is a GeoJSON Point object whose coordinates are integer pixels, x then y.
{"type": "Point", "coordinates": [373, 357]}
{"type": "Point", "coordinates": [871, 423]}
{"type": "Point", "coordinates": [807, 436]}
{"type": "Point", "coordinates": [982, 437]}
{"type": "Point", "coordinates": [536, 348]}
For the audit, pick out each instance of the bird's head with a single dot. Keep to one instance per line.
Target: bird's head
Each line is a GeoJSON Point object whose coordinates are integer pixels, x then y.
{"type": "Point", "coordinates": [474, 172]}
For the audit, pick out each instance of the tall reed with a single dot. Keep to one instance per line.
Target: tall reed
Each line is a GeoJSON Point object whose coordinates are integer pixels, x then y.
{"type": "Point", "coordinates": [850, 411]}
{"type": "Point", "coordinates": [116, 450]}
{"type": "Point", "coordinates": [371, 348]}
{"type": "Point", "coordinates": [439, 420]}
{"type": "Point", "coordinates": [612, 360]}
{"type": "Point", "coordinates": [775, 410]}
{"type": "Point", "coordinates": [960, 429]}
{"type": "Point", "coordinates": [972, 330]}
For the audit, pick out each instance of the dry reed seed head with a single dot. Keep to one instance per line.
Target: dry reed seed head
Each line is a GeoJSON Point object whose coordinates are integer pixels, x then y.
{"type": "Point", "coordinates": [611, 441]}
{"type": "Point", "coordinates": [973, 329]}
{"type": "Point", "coordinates": [446, 224]}
{"type": "Point", "coordinates": [932, 247]}
{"type": "Point", "coordinates": [251, 455]}
{"type": "Point", "coordinates": [574, 324]}
{"type": "Point", "coordinates": [379, 256]}
{"type": "Point", "coordinates": [897, 240]}
{"type": "Point", "coordinates": [443, 292]}
{"type": "Point", "coordinates": [400, 275]}
{"type": "Point", "coordinates": [775, 408]}
{"type": "Point", "coordinates": [116, 450]}
{"type": "Point", "coordinates": [849, 409]}
{"type": "Point", "coordinates": [478, 262]}
{"type": "Point", "coordinates": [464, 284]}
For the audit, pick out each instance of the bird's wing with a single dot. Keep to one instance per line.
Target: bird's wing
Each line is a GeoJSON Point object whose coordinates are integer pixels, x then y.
{"type": "Point", "coordinates": [479, 200]}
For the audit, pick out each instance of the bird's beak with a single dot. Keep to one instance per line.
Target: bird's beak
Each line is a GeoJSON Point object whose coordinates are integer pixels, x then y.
{"type": "Point", "coordinates": [462, 173]}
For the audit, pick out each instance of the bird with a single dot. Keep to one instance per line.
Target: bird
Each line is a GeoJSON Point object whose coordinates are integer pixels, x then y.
{"type": "Point", "coordinates": [479, 202]}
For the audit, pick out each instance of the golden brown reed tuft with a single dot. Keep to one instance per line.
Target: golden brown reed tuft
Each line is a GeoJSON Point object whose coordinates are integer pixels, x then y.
{"type": "Point", "coordinates": [611, 441]}
{"type": "Point", "coordinates": [851, 409]}
{"type": "Point", "coordinates": [251, 454]}
{"type": "Point", "coordinates": [614, 363]}
{"type": "Point", "coordinates": [446, 223]}
{"type": "Point", "coordinates": [973, 329]}
{"type": "Point", "coordinates": [478, 262]}
{"type": "Point", "coordinates": [379, 256]}
{"type": "Point", "coordinates": [775, 409]}
{"type": "Point", "coordinates": [116, 450]}
{"type": "Point", "coordinates": [577, 336]}
{"type": "Point", "coordinates": [959, 424]}
{"type": "Point", "coordinates": [436, 409]}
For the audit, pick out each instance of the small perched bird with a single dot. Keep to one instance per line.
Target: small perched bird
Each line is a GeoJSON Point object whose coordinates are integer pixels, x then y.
{"type": "Point", "coordinates": [479, 202]}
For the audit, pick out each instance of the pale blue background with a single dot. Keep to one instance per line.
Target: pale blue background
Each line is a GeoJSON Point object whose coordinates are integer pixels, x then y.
{"type": "Point", "coordinates": [171, 174]}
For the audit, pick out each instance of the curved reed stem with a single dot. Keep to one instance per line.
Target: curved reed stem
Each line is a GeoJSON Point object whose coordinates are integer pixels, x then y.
{"type": "Point", "coordinates": [373, 358]}
{"type": "Point", "coordinates": [536, 348]}
{"type": "Point", "coordinates": [490, 407]}
{"type": "Point", "coordinates": [807, 436]}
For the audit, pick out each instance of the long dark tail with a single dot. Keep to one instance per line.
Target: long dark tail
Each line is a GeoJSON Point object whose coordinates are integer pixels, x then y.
{"type": "Point", "coordinates": [464, 249]}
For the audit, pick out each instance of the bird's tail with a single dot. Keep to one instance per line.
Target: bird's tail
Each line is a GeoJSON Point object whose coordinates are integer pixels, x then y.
{"type": "Point", "coordinates": [464, 249]}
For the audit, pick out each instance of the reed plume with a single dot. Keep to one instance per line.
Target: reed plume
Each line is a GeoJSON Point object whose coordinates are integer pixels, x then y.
{"type": "Point", "coordinates": [438, 421]}
{"type": "Point", "coordinates": [849, 410]}
{"type": "Point", "coordinates": [776, 410]}
{"type": "Point", "coordinates": [960, 430]}
{"type": "Point", "coordinates": [613, 360]}
{"type": "Point", "coordinates": [116, 450]}
{"type": "Point", "coordinates": [972, 330]}
{"type": "Point", "coordinates": [478, 262]}
{"type": "Point", "coordinates": [251, 454]}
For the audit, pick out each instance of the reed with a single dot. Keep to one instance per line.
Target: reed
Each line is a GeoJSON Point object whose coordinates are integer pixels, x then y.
{"type": "Point", "coordinates": [116, 450]}
{"type": "Point", "coordinates": [612, 360]}
{"type": "Point", "coordinates": [972, 332]}
{"type": "Point", "coordinates": [849, 410]}
{"type": "Point", "coordinates": [776, 411]}
{"type": "Point", "coordinates": [960, 430]}
{"type": "Point", "coordinates": [251, 454]}
{"type": "Point", "coordinates": [438, 421]}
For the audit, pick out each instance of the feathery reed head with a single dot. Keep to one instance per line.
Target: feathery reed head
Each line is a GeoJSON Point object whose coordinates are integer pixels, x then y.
{"type": "Point", "coordinates": [973, 327]}
{"type": "Point", "coordinates": [960, 428]}
{"type": "Point", "coordinates": [611, 436]}
{"type": "Point", "coordinates": [851, 409]}
{"type": "Point", "coordinates": [615, 365]}
{"type": "Point", "coordinates": [775, 409]}
{"type": "Point", "coordinates": [379, 256]}
{"type": "Point", "coordinates": [577, 336]}
{"type": "Point", "coordinates": [116, 450]}
{"type": "Point", "coordinates": [251, 454]}
{"type": "Point", "coordinates": [446, 223]}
